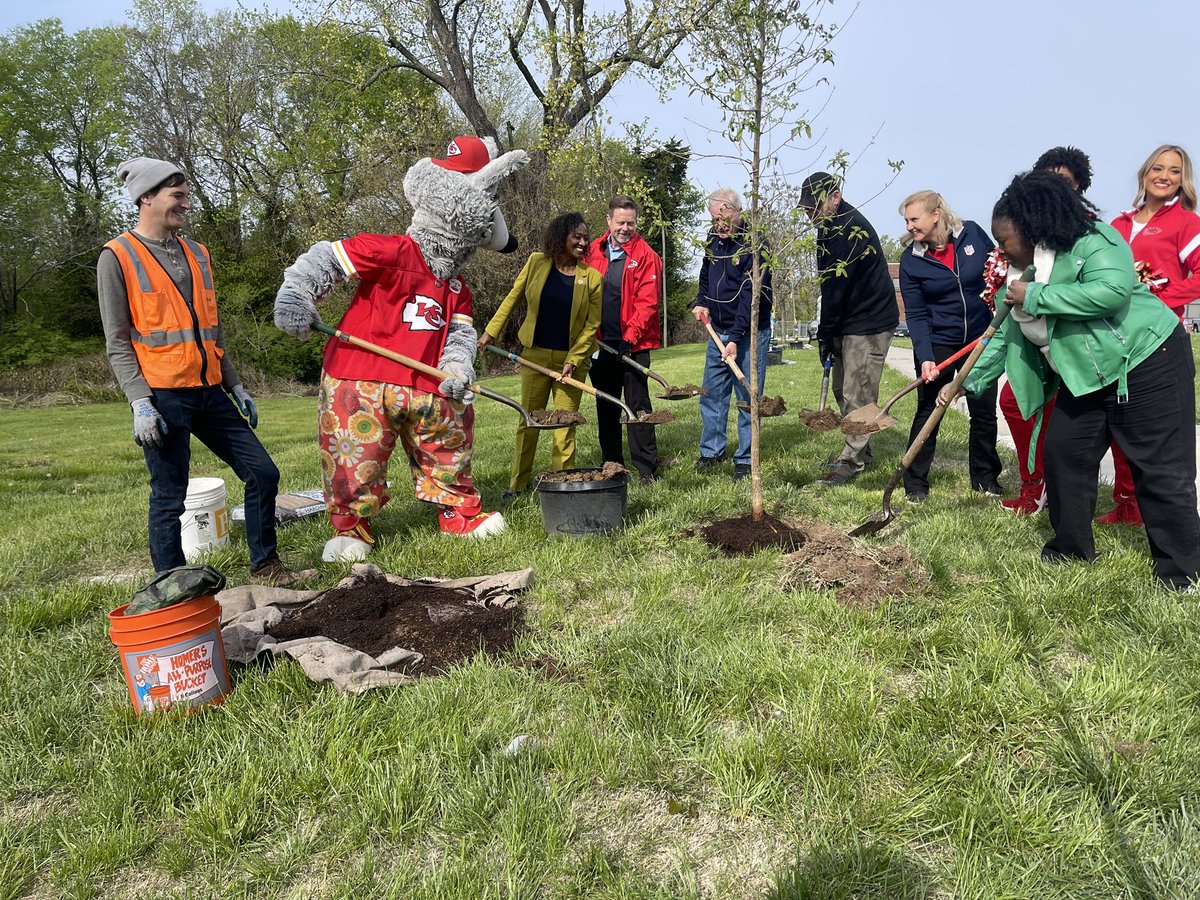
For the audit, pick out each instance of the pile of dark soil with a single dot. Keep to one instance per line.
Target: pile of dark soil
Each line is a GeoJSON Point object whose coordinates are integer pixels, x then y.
{"type": "Point", "coordinates": [576, 476]}
{"type": "Point", "coordinates": [742, 536]}
{"type": "Point", "coordinates": [852, 428]}
{"type": "Point", "coordinates": [682, 392]}
{"type": "Point", "coordinates": [557, 417]}
{"type": "Point", "coordinates": [822, 420]}
{"type": "Point", "coordinates": [446, 626]}
{"type": "Point", "coordinates": [768, 407]}
{"type": "Point", "coordinates": [860, 575]}
{"type": "Point", "coordinates": [658, 417]}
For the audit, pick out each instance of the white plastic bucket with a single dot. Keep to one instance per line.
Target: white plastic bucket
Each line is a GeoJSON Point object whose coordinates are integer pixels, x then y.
{"type": "Point", "coordinates": [205, 519]}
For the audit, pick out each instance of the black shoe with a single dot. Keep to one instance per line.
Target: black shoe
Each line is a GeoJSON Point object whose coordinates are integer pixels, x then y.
{"type": "Point", "coordinates": [917, 496]}
{"type": "Point", "coordinates": [647, 479]}
{"type": "Point", "coordinates": [509, 495]}
{"type": "Point", "coordinates": [835, 479]}
{"type": "Point", "coordinates": [707, 463]}
{"type": "Point", "coordinates": [989, 488]}
{"type": "Point", "coordinates": [740, 471]}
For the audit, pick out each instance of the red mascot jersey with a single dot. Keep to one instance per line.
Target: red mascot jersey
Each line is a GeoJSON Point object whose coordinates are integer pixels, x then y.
{"type": "Point", "coordinates": [399, 305]}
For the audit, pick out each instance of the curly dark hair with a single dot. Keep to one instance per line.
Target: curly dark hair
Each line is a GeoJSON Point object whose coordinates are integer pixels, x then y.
{"type": "Point", "coordinates": [554, 240]}
{"type": "Point", "coordinates": [1072, 159]}
{"type": "Point", "coordinates": [1044, 210]}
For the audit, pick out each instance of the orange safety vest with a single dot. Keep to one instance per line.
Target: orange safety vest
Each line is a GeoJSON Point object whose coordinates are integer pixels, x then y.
{"type": "Point", "coordinates": [175, 338]}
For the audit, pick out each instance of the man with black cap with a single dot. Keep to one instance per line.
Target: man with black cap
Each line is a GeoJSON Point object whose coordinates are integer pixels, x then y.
{"type": "Point", "coordinates": [859, 312]}
{"type": "Point", "coordinates": [167, 351]}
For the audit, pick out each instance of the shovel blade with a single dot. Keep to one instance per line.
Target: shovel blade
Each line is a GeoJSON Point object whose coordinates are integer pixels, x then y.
{"type": "Point", "coordinates": [876, 523]}
{"type": "Point", "coordinates": [867, 420]}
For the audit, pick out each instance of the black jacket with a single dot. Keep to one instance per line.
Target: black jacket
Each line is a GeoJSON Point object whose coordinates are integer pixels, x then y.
{"type": "Point", "coordinates": [726, 288]}
{"type": "Point", "coordinates": [941, 306]}
{"type": "Point", "coordinates": [857, 293]}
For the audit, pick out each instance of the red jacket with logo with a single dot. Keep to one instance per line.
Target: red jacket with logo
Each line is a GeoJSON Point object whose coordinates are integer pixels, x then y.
{"type": "Point", "coordinates": [641, 290]}
{"type": "Point", "coordinates": [400, 305]}
{"type": "Point", "coordinates": [1170, 245]}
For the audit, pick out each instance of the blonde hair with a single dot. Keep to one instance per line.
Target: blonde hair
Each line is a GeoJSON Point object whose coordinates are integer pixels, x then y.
{"type": "Point", "coordinates": [1187, 186]}
{"type": "Point", "coordinates": [947, 224]}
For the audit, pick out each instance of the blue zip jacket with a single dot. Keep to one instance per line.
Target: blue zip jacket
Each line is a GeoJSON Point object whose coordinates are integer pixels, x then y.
{"type": "Point", "coordinates": [726, 288]}
{"type": "Point", "coordinates": [943, 306]}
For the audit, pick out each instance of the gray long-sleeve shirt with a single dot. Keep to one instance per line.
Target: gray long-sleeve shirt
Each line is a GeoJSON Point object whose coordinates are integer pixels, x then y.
{"type": "Point", "coordinates": [118, 320]}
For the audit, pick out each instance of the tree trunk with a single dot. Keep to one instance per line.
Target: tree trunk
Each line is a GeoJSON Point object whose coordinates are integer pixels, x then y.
{"type": "Point", "coordinates": [756, 274]}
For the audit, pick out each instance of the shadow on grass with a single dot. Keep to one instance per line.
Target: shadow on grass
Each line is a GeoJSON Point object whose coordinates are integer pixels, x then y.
{"type": "Point", "coordinates": [854, 870]}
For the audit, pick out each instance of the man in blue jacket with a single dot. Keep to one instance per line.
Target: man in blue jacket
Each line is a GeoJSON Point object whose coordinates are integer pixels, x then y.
{"type": "Point", "coordinates": [859, 312]}
{"type": "Point", "coordinates": [724, 299]}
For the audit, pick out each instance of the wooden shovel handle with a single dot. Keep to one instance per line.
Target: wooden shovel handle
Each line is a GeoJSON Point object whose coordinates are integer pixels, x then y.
{"type": "Point", "coordinates": [406, 361]}
{"type": "Point", "coordinates": [557, 376]}
{"type": "Point", "coordinates": [733, 366]}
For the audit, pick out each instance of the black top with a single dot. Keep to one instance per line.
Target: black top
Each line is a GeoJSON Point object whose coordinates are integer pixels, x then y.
{"type": "Point", "coordinates": [552, 331]}
{"type": "Point", "coordinates": [857, 293]}
{"type": "Point", "coordinates": [610, 307]}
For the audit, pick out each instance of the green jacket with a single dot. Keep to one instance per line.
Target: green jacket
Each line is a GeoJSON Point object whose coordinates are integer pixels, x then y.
{"type": "Point", "coordinates": [1101, 323]}
{"type": "Point", "coordinates": [585, 306]}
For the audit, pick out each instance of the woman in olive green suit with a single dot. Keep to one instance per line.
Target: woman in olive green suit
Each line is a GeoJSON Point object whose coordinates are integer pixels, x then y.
{"type": "Point", "coordinates": [562, 314]}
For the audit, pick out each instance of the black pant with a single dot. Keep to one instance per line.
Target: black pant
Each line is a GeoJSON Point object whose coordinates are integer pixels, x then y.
{"type": "Point", "coordinates": [612, 376]}
{"type": "Point", "coordinates": [983, 461]}
{"type": "Point", "coordinates": [1156, 428]}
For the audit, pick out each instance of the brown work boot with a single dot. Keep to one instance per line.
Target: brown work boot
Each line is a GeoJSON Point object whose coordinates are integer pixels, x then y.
{"type": "Point", "coordinates": [273, 573]}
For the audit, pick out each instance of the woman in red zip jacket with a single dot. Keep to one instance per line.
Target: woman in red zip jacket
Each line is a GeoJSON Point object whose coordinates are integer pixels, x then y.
{"type": "Point", "coordinates": [1163, 231]}
{"type": "Point", "coordinates": [941, 279]}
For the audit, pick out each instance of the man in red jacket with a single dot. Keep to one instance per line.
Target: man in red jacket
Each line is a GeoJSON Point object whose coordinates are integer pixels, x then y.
{"type": "Point", "coordinates": [629, 322]}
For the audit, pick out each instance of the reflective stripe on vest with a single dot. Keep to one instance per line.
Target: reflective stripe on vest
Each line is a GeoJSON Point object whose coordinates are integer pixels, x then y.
{"type": "Point", "coordinates": [175, 341]}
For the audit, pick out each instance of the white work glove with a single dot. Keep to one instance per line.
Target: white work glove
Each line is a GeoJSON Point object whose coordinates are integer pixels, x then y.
{"type": "Point", "coordinates": [245, 405]}
{"type": "Point", "coordinates": [148, 425]}
{"type": "Point", "coordinates": [456, 387]}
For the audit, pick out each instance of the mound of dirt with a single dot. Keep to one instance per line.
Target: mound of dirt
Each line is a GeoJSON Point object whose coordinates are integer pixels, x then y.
{"type": "Point", "coordinates": [859, 574]}
{"type": "Point", "coordinates": [683, 392]}
{"type": "Point", "coordinates": [557, 417]}
{"type": "Point", "coordinates": [742, 536]}
{"type": "Point", "coordinates": [821, 420]}
{"type": "Point", "coordinates": [576, 476]}
{"type": "Point", "coordinates": [768, 407]}
{"type": "Point", "coordinates": [658, 417]}
{"type": "Point", "coordinates": [446, 626]}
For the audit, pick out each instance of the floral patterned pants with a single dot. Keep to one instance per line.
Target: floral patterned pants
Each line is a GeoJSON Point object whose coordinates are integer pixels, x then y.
{"type": "Point", "coordinates": [359, 423]}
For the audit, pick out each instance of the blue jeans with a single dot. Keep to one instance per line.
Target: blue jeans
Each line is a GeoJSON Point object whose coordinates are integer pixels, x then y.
{"type": "Point", "coordinates": [210, 415]}
{"type": "Point", "coordinates": [719, 381]}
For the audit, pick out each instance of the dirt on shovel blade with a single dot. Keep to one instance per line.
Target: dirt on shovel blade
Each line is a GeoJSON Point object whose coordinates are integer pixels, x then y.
{"type": "Point", "coordinates": [852, 427]}
{"type": "Point", "coordinates": [557, 417]}
{"type": "Point", "coordinates": [576, 476]}
{"type": "Point", "coordinates": [768, 407]}
{"type": "Point", "coordinates": [377, 615]}
{"type": "Point", "coordinates": [682, 392]}
{"type": "Point", "coordinates": [658, 417]}
{"type": "Point", "coordinates": [821, 420]}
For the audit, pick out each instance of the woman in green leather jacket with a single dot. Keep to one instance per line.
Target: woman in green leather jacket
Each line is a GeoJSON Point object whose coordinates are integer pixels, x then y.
{"type": "Point", "coordinates": [1119, 361]}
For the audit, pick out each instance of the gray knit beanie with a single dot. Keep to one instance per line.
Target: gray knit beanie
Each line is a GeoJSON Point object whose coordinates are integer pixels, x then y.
{"type": "Point", "coordinates": [143, 175]}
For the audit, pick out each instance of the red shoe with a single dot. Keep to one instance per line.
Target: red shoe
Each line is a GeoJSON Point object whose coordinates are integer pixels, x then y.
{"type": "Point", "coordinates": [452, 520]}
{"type": "Point", "coordinates": [1031, 500]}
{"type": "Point", "coordinates": [1126, 512]}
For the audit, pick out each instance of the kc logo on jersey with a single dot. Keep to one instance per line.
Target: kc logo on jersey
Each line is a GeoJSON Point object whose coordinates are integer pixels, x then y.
{"type": "Point", "coordinates": [424, 314]}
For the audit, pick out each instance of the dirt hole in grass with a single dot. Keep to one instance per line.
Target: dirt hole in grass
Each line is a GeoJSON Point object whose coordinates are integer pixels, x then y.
{"type": "Point", "coordinates": [557, 417]}
{"type": "Point", "coordinates": [859, 574]}
{"type": "Point", "coordinates": [609, 471]}
{"type": "Point", "coordinates": [682, 392]}
{"type": "Point", "coordinates": [820, 420]}
{"type": "Point", "coordinates": [742, 536]}
{"type": "Point", "coordinates": [446, 626]}
{"type": "Point", "coordinates": [768, 407]}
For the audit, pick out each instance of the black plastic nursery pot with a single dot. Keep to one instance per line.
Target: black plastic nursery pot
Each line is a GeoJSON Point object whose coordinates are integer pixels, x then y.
{"type": "Point", "coordinates": [579, 508]}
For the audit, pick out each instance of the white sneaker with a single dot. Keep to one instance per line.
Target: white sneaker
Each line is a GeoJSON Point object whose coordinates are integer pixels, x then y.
{"type": "Point", "coordinates": [344, 548]}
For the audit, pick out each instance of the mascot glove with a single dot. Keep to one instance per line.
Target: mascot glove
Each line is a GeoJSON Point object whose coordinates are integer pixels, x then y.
{"type": "Point", "coordinates": [148, 425]}
{"type": "Point", "coordinates": [295, 312]}
{"type": "Point", "coordinates": [455, 387]}
{"type": "Point", "coordinates": [245, 405]}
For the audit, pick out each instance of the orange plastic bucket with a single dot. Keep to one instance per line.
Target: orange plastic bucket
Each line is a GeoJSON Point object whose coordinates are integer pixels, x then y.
{"type": "Point", "coordinates": [172, 656]}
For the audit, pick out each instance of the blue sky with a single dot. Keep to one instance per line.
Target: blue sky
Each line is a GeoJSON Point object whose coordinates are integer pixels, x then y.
{"type": "Point", "coordinates": [964, 96]}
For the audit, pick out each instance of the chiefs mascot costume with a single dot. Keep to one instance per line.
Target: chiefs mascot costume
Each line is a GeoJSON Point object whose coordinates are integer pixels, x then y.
{"type": "Point", "coordinates": [411, 300]}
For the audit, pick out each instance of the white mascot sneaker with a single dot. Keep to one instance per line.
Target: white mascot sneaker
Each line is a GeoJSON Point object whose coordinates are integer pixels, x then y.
{"type": "Point", "coordinates": [344, 548]}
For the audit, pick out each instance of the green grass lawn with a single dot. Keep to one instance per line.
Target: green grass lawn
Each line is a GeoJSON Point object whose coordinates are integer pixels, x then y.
{"type": "Point", "coordinates": [1013, 730]}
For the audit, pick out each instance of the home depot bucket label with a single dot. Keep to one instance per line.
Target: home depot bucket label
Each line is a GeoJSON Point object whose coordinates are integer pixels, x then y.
{"type": "Point", "coordinates": [188, 673]}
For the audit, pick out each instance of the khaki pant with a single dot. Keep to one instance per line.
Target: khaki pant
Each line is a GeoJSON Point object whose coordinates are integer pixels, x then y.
{"type": "Point", "coordinates": [535, 393]}
{"type": "Point", "coordinates": [857, 369]}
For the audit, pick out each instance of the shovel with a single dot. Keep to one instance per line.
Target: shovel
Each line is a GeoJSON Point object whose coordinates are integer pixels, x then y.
{"type": "Point", "coordinates": [880, 520]}
{"type": "Point", "coordinates": [767, 407]}
{"type": "Point", "coordinates": [870, 418]}
{"type": "Point", "coordinates": [821, 420]}
{"type": "Point", "coordinates": [670, 392]}
{"type": "Point", "coordinates": [631, 418]}
{"type": "Point", "coordinates": [530, 422]}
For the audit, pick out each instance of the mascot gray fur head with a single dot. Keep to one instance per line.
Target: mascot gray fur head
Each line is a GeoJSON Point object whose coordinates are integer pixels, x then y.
{"type": "Point", "coordinates": [454, 203]}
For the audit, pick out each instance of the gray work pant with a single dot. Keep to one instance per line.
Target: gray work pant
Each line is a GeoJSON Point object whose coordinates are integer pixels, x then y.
{"type": "Point", "coordinates": [857, 369]}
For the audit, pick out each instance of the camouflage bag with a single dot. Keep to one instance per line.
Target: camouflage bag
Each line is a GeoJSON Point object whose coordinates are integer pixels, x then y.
{"type": "Point", "coordinates": [176, 586]}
